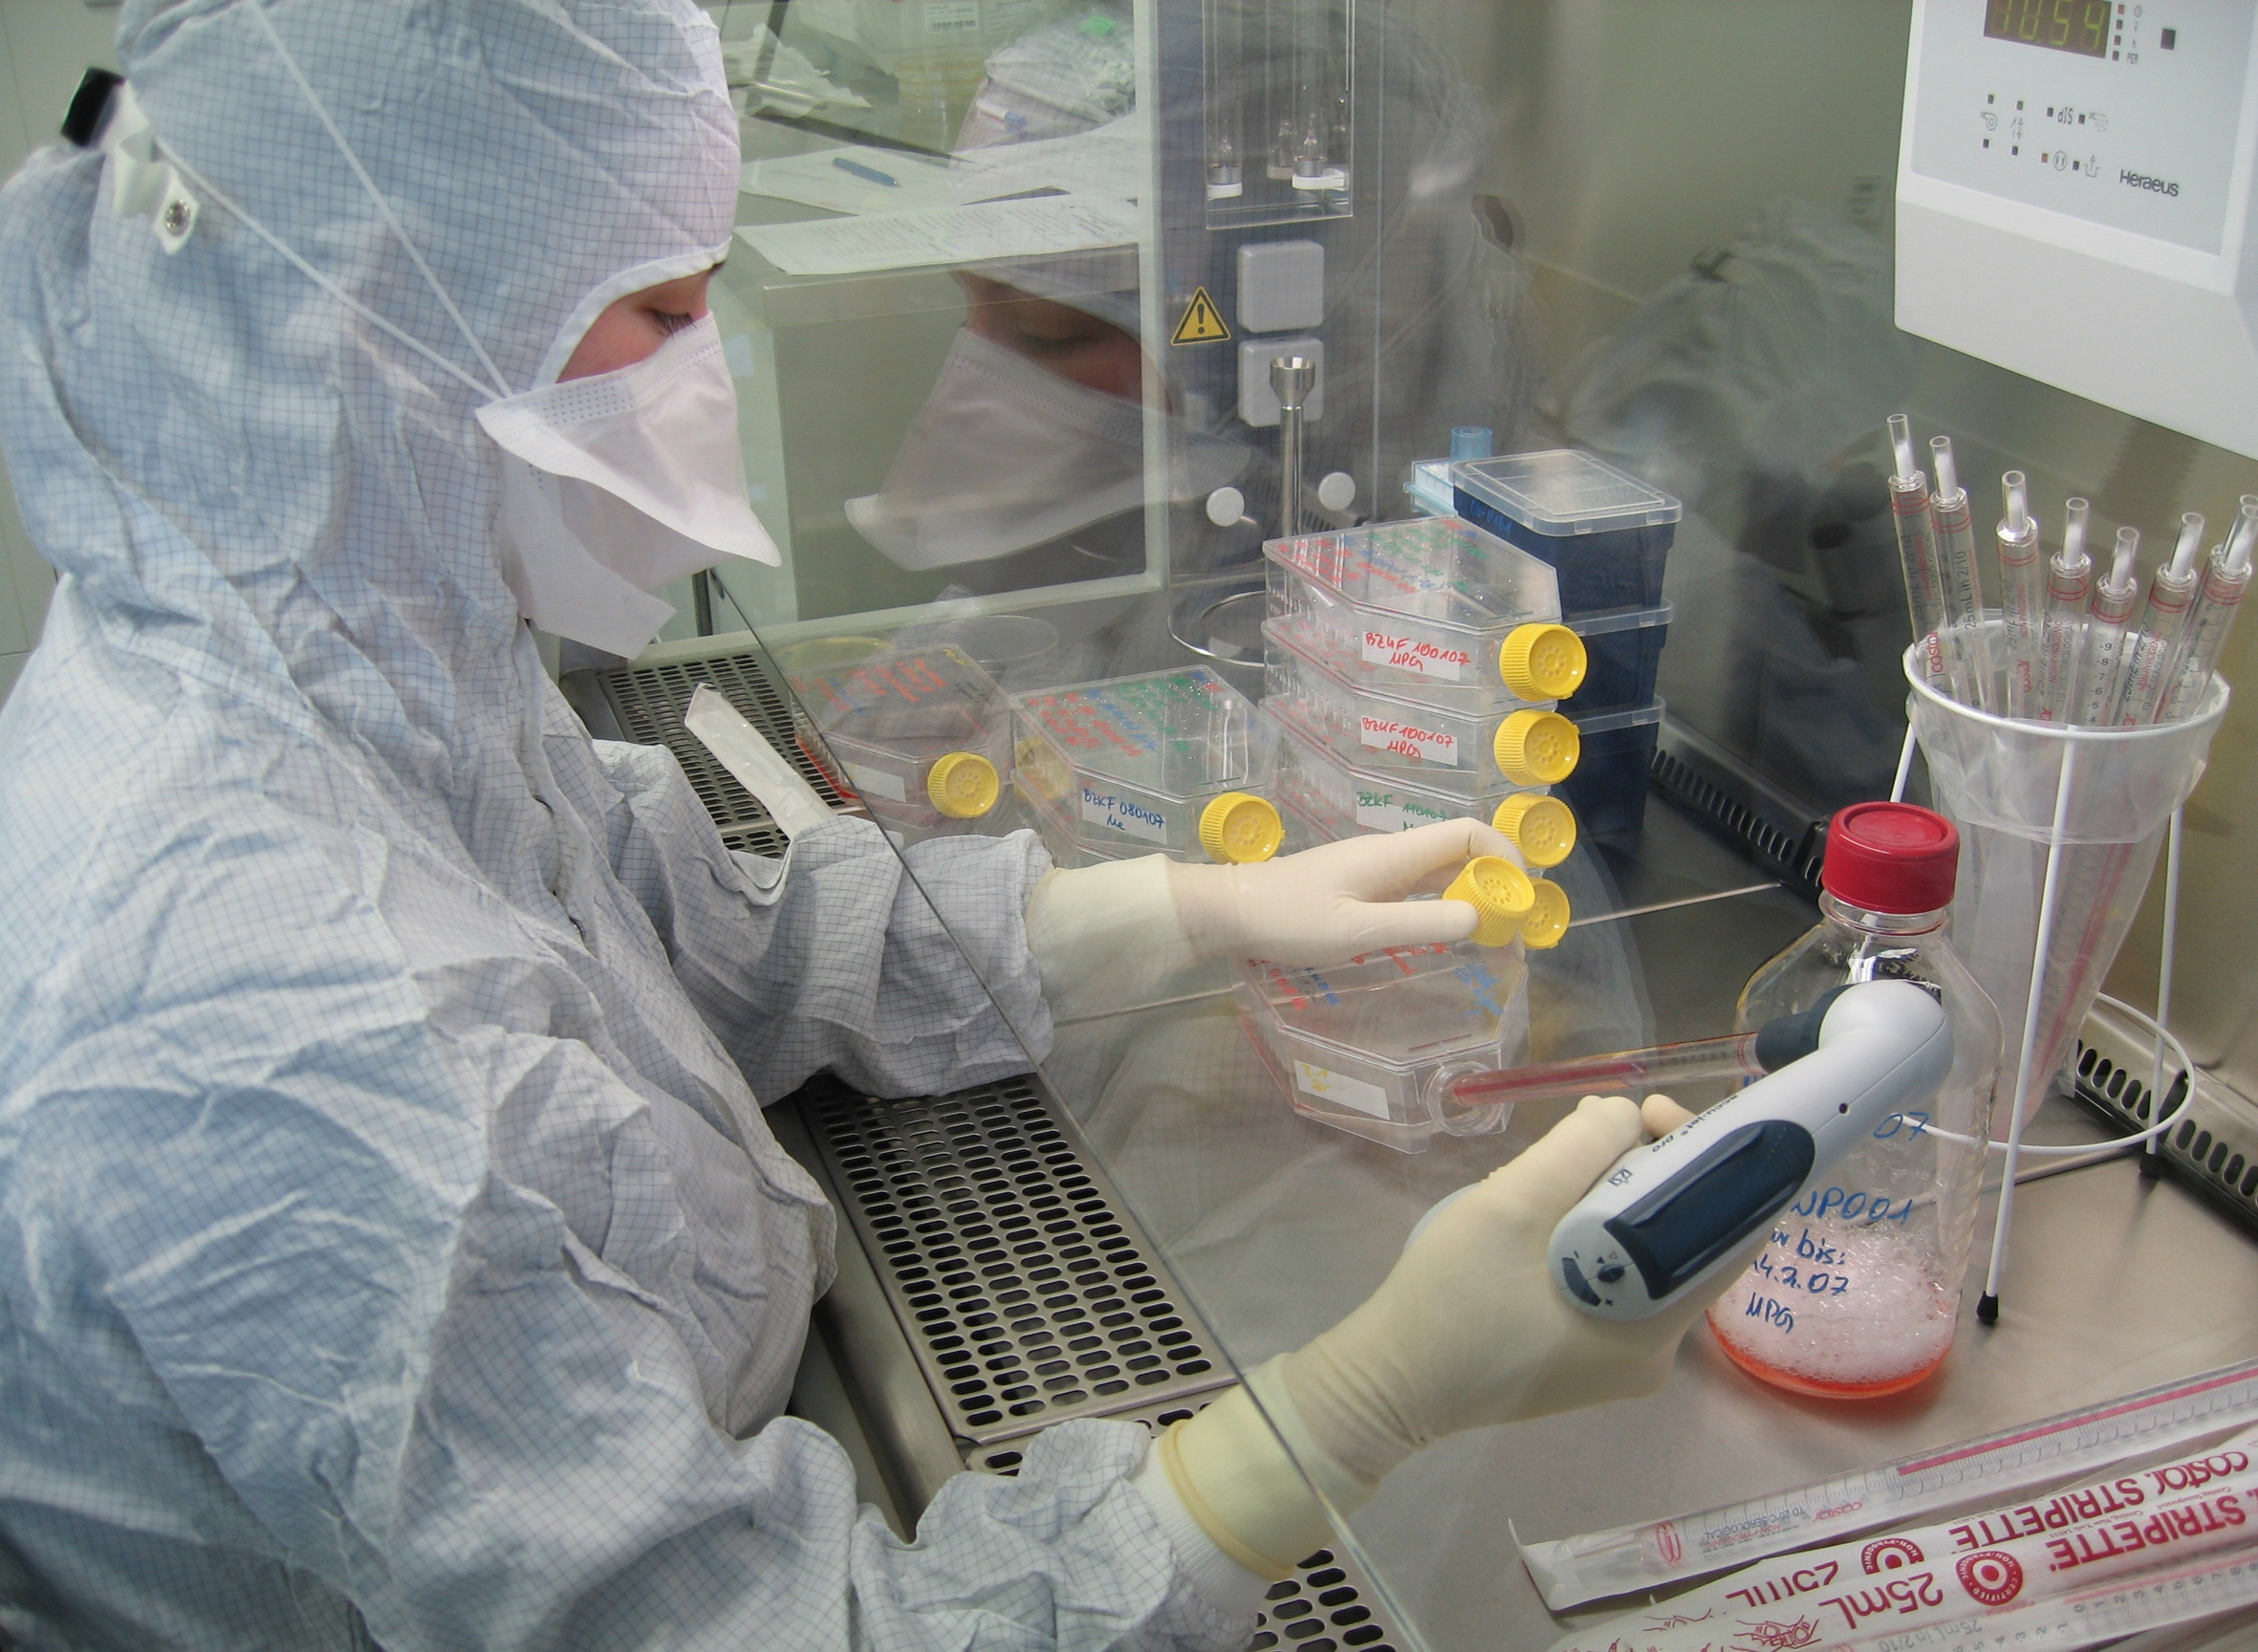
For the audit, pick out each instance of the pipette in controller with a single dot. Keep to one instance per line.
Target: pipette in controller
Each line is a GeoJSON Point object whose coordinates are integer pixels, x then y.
{"type": "Point", "coordinates": [2107, 624]}
{"type": "Point", "coordinates": [2021, 598]}
{"type": "Point", "coordinates": [1669, 1215]}
{"type": "Point", "coordinates": [2062, 629]}
{"type": "Point", "coordinates": [1917, 556]}
{"type": "Point", "coordinates": [2226, 578]}
{"type": "Point", "coordinates": [2152, 652]}
{"type": "Point", "coordinates": [1735, 1055]}
{"type": "Point", "coordinates": [1967, 650]}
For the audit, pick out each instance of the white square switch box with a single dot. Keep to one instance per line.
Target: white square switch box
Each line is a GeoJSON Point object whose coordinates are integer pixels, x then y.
{"type": "Point", "coordinates": [1281, 286]}
{"type": "Point", "coordinates": [1258, 403]}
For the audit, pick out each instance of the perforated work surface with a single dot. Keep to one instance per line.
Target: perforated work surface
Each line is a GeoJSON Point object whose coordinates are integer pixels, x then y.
{"type": "Point", "coordinates": [1026, 1290]}
{"type": "Point", "coordinates": [648, 702]}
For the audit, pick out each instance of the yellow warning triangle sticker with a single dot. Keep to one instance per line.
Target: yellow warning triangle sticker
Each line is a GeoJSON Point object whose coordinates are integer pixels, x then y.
{"type": "Point", "coordinates": [1203, 322]}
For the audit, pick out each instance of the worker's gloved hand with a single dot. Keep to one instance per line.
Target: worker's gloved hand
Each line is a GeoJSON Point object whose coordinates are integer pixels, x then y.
{"type": "Point", "coordinates": [1335, 902]}
{"type": "Point", "coordinates": [1468, 1329]}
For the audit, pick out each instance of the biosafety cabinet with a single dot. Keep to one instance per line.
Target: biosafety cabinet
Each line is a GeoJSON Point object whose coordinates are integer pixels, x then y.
{"type": "Point", "coordinates": [1048, 319]}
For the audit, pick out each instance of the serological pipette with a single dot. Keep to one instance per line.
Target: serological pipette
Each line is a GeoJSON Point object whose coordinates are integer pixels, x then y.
{"type": "Point", "coordinates": [2225, 578]}
{"type": "Point", "coordinates": [2021, 595]}
{"type": "Point", "coordinates": [2108, 623]}
{"type": "Point", "coordinates": [2152, 652]}
{"type": "Point", "coordinates": [1917, 556]}
{"type": "Point", "coordinates": [2062, 629]}
{"type": "Point", "coordinates": [1693, 1061]}
{"type": "Point", "coordinates": [1967, 651]}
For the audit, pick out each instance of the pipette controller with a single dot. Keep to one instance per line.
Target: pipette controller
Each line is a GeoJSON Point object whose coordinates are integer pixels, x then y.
{"type": "Point", "coordinates": [2152, 653]}
{"type": "Point", "coordinates": [1917, 556]}
{"type": "Point", "coordinates": [2021, 595]}
{"type": "Point", "coordinates": [1967, 650]}
{"type": "Point", "coordinates": [2225, 578]}
{"type": "Point", "coordinates": [1669, 1215]}
{"type": "Point", "coordinates": [2107, 624]}
{"type": "Point", "coordinates": [2062, 629]}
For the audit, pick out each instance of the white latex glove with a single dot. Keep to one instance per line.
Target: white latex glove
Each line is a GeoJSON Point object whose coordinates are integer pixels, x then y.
{"type": "Point", "coordinates": [1468, 1329]}
{"type": "Point", "coordinates": [1335, 902]}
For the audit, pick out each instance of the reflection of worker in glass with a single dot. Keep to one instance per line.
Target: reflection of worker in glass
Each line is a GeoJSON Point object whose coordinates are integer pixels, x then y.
{"type": "Point", "coordinates": [1026, 465]}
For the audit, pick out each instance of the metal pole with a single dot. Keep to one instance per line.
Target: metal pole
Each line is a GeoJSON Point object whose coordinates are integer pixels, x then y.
{"type": "Point", "coordinates": [1987, 1304]}
{"type": "Point", "coordinates": [2151, 1154]}
{"type": "Point", "coordinates": [1290, 378]}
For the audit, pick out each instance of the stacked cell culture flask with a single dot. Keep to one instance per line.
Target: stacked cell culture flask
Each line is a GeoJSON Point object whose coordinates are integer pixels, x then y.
{"type": "Point", "coordinates": [1857, 1292]}
{"type": "Point", "coordinates": [921, 736]}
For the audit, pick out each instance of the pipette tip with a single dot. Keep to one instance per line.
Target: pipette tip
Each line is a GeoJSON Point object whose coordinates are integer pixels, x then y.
{"type": "Point", "coordinates": [1901, 447]}
{"type": "Point", "coordinates": [2128, 550]}
{"type": "Point", "coordinates": [1947, 477]}
{"type": "Point", "coordinates": [2191, 540]}
{"type": "Point", "coordinates": [2073, 531]}
{"type": "Point", "coordinates": [2018, 502]}
{"type": "Point", "coordinates": [2245, 532]}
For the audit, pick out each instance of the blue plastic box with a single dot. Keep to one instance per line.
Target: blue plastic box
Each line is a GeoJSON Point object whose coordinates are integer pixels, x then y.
{"type": "Point", "coordinates": [1623, 650]}
{"type": "Point", "coordinates": [1607, 532]}
{"type": "Point", "coordinates": [1608, 790]}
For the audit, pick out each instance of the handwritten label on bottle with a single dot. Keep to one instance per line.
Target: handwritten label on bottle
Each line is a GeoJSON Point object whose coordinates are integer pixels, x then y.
{"type": "Point", "coordinates": [1117, 813]}
{"type": "Point", "coordinates": [1341, 1091]}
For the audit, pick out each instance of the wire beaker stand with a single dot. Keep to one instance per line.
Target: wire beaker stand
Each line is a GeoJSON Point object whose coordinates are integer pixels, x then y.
{"type": "Point", "coordinates": [2059, 826]}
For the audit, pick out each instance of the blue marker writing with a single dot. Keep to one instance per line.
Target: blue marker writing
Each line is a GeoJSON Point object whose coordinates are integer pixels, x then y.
{"type": "Point", "coordinates": [872, 173]}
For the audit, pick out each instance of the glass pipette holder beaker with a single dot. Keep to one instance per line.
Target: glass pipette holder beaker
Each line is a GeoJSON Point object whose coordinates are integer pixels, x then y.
{"type": "Point", "coordinates": [2002, 782]}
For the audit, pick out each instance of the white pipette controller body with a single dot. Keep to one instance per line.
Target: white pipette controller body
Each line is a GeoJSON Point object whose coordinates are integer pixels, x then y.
{"type": "Point", "coordinates": [1670, 1214]}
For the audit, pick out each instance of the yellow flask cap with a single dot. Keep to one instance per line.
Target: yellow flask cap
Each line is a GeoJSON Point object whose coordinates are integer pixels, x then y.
{"type": "Point", "coordinates": [1537, 748]}
{"type": "Point", "coordinates": [1542, 827]}
{"type": "Point", "coordinates": [1542, 662]}
{"type": "Point", "coordinates": [1238, 827]}
{"type": "Point", "coordinates": [962, 784]}
{"type": "Point", "coordinates": [1498, 890]}
{"type": "Point", "coordinates": [1548, 917]}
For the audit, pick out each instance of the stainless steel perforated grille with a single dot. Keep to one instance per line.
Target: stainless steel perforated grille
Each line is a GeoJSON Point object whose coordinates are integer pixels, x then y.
{"type": "Point", "coordinates": [1326, 1606]}
{"type": "Point", "coordinates": [1023, 1286]}
{"type": "Point", "coordinates": [648, 703]}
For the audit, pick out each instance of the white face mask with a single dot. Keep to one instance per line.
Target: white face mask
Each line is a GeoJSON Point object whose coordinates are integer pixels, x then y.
{"type": "Point", "coordinates": [1004, 456]}
{"type": "Point", "coordinates": [619, 482]}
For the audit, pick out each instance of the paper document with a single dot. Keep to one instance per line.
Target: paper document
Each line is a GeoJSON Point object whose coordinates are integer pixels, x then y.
{"type": "Point", "coordinates": [850, 180]}
{"type": "Point", "coordinates": [942, 235]}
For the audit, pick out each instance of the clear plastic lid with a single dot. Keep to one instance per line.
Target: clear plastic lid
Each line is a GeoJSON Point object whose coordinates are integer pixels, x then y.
{"type": "Point", "coordinates": [1180, 733]}
{"type": "Point", "coordinates": [908, 698]}
{"type": "Point", "coordinates": [1609, 620]}
{"type": "Point", "coordinates": [1438, 570]}
{"type": "Point", "coordinates": [1563, 491]}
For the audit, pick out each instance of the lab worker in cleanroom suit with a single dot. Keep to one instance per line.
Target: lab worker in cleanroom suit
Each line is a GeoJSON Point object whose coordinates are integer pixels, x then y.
{"type": "Point", "coordinates": [391, 1246]}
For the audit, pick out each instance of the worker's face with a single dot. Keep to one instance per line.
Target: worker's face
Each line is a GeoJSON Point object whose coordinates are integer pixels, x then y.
{"type": "Point", "coordinates": [631, 328]}
{"type": "Point", "coordinates": [1057, 337]}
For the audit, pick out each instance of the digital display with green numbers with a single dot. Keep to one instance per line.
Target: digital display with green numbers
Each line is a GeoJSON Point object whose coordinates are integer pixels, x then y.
{"type": "Point", "coordinates": [2079, 26]}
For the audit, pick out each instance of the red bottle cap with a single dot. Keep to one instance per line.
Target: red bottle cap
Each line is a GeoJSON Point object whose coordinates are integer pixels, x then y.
{"type": "Point", "coordinates": [1895, 857]}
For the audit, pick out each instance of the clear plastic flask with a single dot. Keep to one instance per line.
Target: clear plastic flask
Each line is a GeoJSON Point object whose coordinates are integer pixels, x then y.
{"type": "Point", "coordinates": [1857, 1295]}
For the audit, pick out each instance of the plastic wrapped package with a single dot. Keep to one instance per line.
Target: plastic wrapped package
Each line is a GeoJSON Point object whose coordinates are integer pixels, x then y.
{"type": "Point", "coordinates": [1471, 753]}
{"type": "Point", "coordinates": [922, 736]}
{"type": "Point", "coordinates": [1433, 609]}
{"type": "Point", "coordinates": [1623, 657]}
{"type": "Point", "coordinates": [1175, 761]}
{"type": "Point", "coordinates": [1608, 788]}
{"type": "Point", "coordinates": [1607, 532]}
{"type": "Point", "coordinates": [1370, 1046]}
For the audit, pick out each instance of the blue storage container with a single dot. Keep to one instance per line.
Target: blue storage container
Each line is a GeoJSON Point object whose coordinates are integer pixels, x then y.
{"type": "Point", "coordinates": [1623, 650]}
{"type": "Point", "coordinates": [1607, 532]}
{"type": "Point", "coordinates": [1608, 790]}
